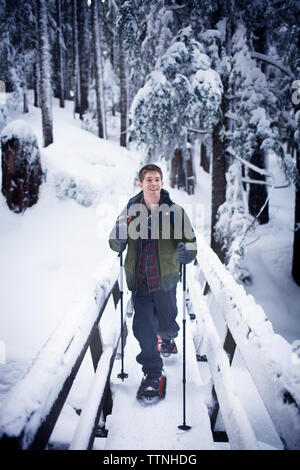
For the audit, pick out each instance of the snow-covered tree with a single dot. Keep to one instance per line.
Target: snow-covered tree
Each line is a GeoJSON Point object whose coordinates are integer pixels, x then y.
{"type": "Point", "coordinates": [182, 92]}
{"type": "Point", "coordinates": [277, 24]}
{"type": "Point", "coordinates": [233, 222]}
{"type": "Point", "coordinates": [255, 108]}
{"type": "Point", "coordinates": [144, 30]}
{"type": "Point", "coordinates": [17, 45]}
{"type": "Point", "coordinates": [285, 30]}
{"type": "Point", "coordinates": [249, 135]}
{"type": "Point", "coordinates": [111, 86]}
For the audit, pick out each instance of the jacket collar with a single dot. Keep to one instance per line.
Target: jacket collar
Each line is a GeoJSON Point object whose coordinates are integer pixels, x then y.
{"type": "Point", "coordinates": [164, 198]}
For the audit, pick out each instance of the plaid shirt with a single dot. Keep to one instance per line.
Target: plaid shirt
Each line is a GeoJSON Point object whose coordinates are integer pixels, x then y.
{"type": "Point", "coordinates": [148, 264]}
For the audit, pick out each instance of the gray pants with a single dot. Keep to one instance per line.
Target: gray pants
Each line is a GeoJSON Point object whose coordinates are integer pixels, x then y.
{"type": "Point", "coordinates": [155, 313]}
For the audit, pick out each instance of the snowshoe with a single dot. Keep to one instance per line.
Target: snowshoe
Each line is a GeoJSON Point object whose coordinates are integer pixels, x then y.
{"type": "Point", "coordinates": [152, 389]}
{"type": "Point", "coordinates": [166, 347]}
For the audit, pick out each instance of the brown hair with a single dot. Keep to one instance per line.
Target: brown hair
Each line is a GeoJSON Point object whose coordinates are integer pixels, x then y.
{"type": "Point", "coordinates": [149, 167]}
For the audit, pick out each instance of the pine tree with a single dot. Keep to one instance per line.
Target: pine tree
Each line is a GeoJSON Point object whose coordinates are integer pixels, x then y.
{"type": "Point", "coordinates": [286, 30]}
{"type": "Point", "coordinates": [17, 45]}
{"type": "Point", "coordinates": [221, 20]}
{"type": "Point", "coordinates": [182, 91]}
{"type": "Point", "coordinates": [255, 109]}
{"type": "Point", "coordinates": [232, 223]}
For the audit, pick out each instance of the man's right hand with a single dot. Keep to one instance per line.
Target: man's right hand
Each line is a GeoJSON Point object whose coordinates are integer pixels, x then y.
{"type": "Point", "coordinates": [121, 235]}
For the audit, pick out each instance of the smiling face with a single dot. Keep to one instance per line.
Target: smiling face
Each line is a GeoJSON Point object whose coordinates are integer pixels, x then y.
{"type": "Point", "coordinates": [151, 185]}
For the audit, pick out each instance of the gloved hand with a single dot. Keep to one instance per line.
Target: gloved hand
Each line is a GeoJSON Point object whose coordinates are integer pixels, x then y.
{"type": "Point", "coordinates": [185, 255]}
{"type": "Point", "coordinates": [121, 235]}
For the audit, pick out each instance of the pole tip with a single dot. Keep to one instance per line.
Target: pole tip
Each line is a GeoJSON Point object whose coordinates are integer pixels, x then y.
{"type": "Point", "coordinates": [122, 376]}
{"type": "Point", "coordinates": [184, 427]}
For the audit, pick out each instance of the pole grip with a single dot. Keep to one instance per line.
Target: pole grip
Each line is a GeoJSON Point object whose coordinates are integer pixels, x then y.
{"type": "Point", "coordinates": [121, 271]}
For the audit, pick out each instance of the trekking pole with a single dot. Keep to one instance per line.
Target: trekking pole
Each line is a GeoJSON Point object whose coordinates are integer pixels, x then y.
{"type": "Point", "coordinates": [122, 375]}
{"type": "Point", "coordinates": [184, 426]}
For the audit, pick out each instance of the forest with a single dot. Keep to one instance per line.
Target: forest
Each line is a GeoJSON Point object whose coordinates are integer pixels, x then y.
{"type": "Point", "coordinates": [224, 75]}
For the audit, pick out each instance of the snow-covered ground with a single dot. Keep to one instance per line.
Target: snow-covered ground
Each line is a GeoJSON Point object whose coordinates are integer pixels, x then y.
{"type": "Point", "coordinates": [50, 253]}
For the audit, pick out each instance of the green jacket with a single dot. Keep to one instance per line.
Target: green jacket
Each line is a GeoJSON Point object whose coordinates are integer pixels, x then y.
{"type": "Point", "coordinates": [173, 219]}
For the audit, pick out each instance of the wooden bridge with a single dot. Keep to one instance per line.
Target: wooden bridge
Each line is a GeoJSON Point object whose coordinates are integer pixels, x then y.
{"type": "Point", "coordinates": [34, 404]}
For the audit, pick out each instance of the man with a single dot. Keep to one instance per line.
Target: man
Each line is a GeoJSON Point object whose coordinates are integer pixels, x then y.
{"type": "Point", "coordinates": [159, 237]}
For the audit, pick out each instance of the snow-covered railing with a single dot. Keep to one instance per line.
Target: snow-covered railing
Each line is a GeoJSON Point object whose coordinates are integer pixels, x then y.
{"type": "Point", "coordinates": [238, 428]}
{"type": "Point", "coordinates": [33, 405]}
{"type": "Point", "coordinates": [267, 355]}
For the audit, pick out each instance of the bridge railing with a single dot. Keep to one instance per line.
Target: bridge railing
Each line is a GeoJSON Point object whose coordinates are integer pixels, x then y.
{"type": "Point", "coordinates": [267, 355]}
{"type": "Point", "coordinates": [33, 405]}
{"type": "Point", "coordinates": [32, 408]}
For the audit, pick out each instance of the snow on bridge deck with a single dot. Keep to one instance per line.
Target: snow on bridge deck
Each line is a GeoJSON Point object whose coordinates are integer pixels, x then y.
{"type": "Point", "coordinates": [135, 426]}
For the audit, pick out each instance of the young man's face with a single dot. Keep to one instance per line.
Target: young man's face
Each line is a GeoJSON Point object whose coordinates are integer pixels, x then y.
{"type": "Point", "coordinates": [151, 184]}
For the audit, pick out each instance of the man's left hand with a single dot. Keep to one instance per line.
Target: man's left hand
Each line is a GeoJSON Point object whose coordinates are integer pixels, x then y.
{"type": "Point", "coordinates": [185, 255]}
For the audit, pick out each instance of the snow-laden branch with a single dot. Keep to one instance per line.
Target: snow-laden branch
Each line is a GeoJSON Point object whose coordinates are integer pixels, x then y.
{"type": "Point", "coordinates": [271, 61]}
{"type": "Point", "coordinates": [199, 131]}
{"type": "Point", "coordinates": [250, 181]}
{"type": "Point", "coordinates": [255, 219]}
{"type": "Point", "coordinates": [112, 3]}
{"type": "Point", "coordinates": [255, 168]}
{"type": "Point", "coordinates": [234, 117]}
{"type": "Point", "coordinates": [175, 7]}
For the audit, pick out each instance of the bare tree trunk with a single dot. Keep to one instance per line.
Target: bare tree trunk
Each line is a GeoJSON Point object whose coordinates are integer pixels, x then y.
{"type": "Point", "coordinates": [59, 41]}
{"type": "Point", "coordinates": [76, 74]}
{"type": "Point", "coordinates": [37, 84]}
{"type": "Point", "coordinates": [123, 96]}
{"type": "Point", "coordinates": [204, 158]}
{"type": "Point", "coordinates": [177, 175]}
{"type": "Point", "coordinates": [189, 171]}
{"type": "Point", "coordinates": [98, 71]}
{"type": "Point", "coordinates": [83, 43]}
{"type": "Point", "coordinates": [36, 72]}
{"type": "Point", "coordinates": [258, 193]}
{"type": "Point", "coordinates": [218, 191]}
{"type": "Point", "coordinates": [25, 97]}
{"type": "Point", "coordinates": [24, 71]}
{"type": "Point", "coordinates": [219, 162]}
{"type": "Point", "coordinates": [45, 82]}
{"type": "Point", "coordinates": [296, 244]}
